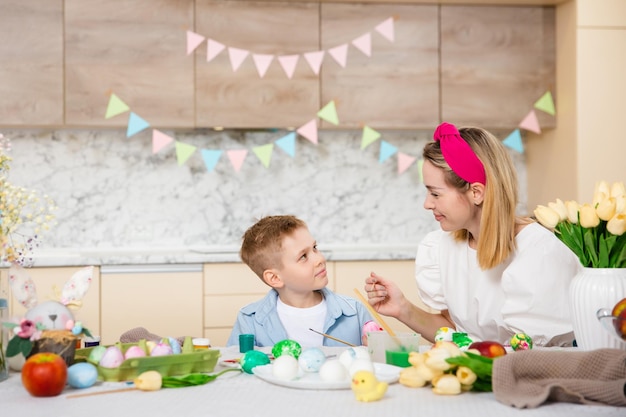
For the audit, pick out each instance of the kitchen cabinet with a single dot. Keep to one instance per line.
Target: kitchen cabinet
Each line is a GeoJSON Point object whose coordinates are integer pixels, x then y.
{"type": "Point", "coordinates": [496, 62]}
{"type": "Point", "coordinates": [398, 85]}
{"type": "Point", "coordinates": [241, 98]}
{"type": "Point", "coordinates": [49, 282]}
{"type": "Point", "coordinates": [166, 300]}
{"type": "Point", "coordinates": [135, 49]}
{"type": "Point", "coordinates": [31, 67]}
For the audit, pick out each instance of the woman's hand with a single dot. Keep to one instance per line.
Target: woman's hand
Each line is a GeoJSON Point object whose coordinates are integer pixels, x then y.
{"type": "Point", "coordinates": [384, 295]}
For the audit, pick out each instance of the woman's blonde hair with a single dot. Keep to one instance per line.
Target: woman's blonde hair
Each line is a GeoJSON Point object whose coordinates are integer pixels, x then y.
{"type": "Point", "coordinates": [498, 220]}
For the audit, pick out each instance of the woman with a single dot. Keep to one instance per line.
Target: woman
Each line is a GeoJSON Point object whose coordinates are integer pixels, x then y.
{"type": "Point", "coordinates": [490, 273]}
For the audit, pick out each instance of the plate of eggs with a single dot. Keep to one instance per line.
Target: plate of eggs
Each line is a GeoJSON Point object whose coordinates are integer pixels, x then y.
{"type": "Point", "coordinates": [313, 370]}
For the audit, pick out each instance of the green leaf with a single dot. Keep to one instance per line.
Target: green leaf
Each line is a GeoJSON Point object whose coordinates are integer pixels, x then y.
{"type": "Point", "coordinates": [590, 247]}
{"type": "Point", "coordinates": [18, 345]}
{"type": "Point", "coordinates": [87, 332]}
{"type": "Point", "coordinates": [192, 379]}
{"type": "Point", "coordinates": [603, 253]}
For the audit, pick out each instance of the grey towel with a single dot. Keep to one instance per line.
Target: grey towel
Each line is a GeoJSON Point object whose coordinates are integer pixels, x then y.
{"type": "Point", "coordinates": [136, 334]}
{"type": "Point", "coordinates": [526, 379]}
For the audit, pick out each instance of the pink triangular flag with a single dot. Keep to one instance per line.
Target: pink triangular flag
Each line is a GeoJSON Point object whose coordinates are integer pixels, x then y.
{"type": "Point", "coordinates": [364, 44]}
{"type": "Point", "coordinates": [262, 63]}
{"type": "Point", "coordinates": [309, 131]}
{"type": "Point", "coordinates": [193, 41]}
{"type": "Point", "coordinates": [404, 162]}
{"type": "Point", "coordinates": [160, 140]}
{"type": "Point", "coordinates": [237, 56]}
{"type": "Point", "coordinates": [236, 158]}
{"type": "Point", "coordinates": [531, 123]}
{"type": "Point", "coordinates": [288, 62]}
{"type": "Point", "coordinates": [340, 53]}
{"type": "Point", "coordinates": [315, 60]}
{"type": "Point", "coordinates": [213, 49]}
{"type": "Point", "coordinates": [386, 29]}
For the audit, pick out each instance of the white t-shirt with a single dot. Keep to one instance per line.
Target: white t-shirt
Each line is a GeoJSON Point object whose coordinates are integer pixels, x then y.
{"type": "Point", "coordinates": [527, 293]}
{"type": "Point", "coordinates": [298, 321]}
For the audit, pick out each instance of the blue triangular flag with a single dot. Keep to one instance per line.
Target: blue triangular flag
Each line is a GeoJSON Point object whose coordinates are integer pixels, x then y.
{"type": "Point", "coordinates": [386, 150]}
{"type": "Point", "coordinates": [288, 143]}
{"type": "Point", "coordinates": [135, 125]}
{"type": "Point", "coordinates": [514, 141]}
{"type": "Point", "coordinates": [210, 158]}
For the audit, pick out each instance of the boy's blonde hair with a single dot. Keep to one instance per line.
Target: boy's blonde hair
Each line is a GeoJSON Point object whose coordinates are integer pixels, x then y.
{"type": "Point", "coordinates": [262, 242]}
{"type": "Point", "coordinates": [498, 220]}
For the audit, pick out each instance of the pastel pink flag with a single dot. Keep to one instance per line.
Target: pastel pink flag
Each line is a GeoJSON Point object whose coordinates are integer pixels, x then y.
{"type": "Point", "coordinates": [288, 62]}
{"type": "Point", "coordinates": [531, 123]}
{"type": "Point", "coordinates": [237, 157]}
{"type": "Point", "coordinates": [386, 29]}
{"type": "Point", "coordinates": [309, 131]}
{"type": "Point", "coordinates": [262, 63]}
{"type": "Point", "coordinates": [340, 54]}
{"type": "Point", "coordinates": [160, 140]}
{"type": "Point", "coordinates": [364, 44]}
{"type": "Point", "coordinates": [237, 56]}
{"type": "Point", "coordinates": [315, 60]}
{"type": "Point", "coordinates": [213, 49]}
{"type": "Point", "coordinates": [193, 41]}
{"type": "Point", "coordinates": [404, 162]}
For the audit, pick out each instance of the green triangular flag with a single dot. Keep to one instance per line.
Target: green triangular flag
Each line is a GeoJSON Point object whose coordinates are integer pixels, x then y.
{"type": "Point", "coordinates": [115, 107]}
{"type": "Point", "coordinates": [369, 136]}
{"type": "Point", "coordinates": [264, 153]}
{"type": "Point", "coordinates": [184, 152]}
{"type": "Point", "coordinates": [329, 113]}
{"type": "Point", "coordinates": [546, 104]}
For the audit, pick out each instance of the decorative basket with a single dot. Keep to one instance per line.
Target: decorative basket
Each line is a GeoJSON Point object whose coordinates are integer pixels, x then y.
{"type": "Point", "coordinates": [61, 342]}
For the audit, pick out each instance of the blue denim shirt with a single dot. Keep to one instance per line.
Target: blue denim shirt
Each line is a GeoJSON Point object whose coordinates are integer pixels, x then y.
{"type": "Point", "coordinates": [345, 318]}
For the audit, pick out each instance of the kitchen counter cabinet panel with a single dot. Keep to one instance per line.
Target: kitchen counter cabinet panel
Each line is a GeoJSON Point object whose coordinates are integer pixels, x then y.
{"type": "Point", "coordinates": [241, 99]}
{"type": "Point", "coordinates": [496, 62]}
{"type": "Point", "coordinates": [31, 70]}
{"type": "Point", "coordinates": [165, 303]}
{"type": "Point", "coordinates": [50, 280]}
{"type": "Point", "coordinates": [398, 86]}
{"type": "Point", "coordinates": [135, 50]}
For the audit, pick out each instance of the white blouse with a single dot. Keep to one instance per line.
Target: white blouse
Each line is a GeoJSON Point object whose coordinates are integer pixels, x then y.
{"type": "Point", "coordinates": [528, 293]}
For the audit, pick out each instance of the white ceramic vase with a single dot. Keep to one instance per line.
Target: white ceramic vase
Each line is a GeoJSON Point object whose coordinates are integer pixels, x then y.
{"type": "Point", "coordinates": [591, 290]}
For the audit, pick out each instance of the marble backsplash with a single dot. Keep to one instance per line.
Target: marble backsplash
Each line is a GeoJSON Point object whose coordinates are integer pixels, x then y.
{"type": "Point", "coordinates": [120, 204]}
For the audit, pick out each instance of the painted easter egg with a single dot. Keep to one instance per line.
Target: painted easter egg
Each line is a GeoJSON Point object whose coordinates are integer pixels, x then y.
{"type": "Point", "coordinates": [521, 341]}
{"type": "Point", "coordinates": [311, 359]}
{"type": "Point", "coordinates": [82, 375]}
{"type": "Point", "coordinates": [288, 347]}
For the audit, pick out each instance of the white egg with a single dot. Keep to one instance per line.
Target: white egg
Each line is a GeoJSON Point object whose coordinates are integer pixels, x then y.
{"type": "Point", "coordinates": [285, 367]}
{"type": "Point", "coordinates": [311, 359]}
{"type": "Point", "coordinates": [352, 353]}
{"type": "Point", "coordinates": [333, 371]}
{"type": "Point", "coordinates": [361, 365]}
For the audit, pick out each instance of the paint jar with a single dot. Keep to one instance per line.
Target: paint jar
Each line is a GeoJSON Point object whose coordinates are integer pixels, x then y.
{"type": "Point", "coordinates": [200, 343]}
{"type": "Point", "coordinates": [246, 342]}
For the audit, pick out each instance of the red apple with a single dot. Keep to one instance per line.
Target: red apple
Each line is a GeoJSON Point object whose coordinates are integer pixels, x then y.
{"type": "Point", "coordinates": [620, 311]}
{"type": "Point", "coordinates": [488, 348]}
{"type": "Point", "coordinates": [44, 374]}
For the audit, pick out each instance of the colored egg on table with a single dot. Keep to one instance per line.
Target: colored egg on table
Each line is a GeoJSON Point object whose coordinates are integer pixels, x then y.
{"type": "Point", "coordinates": [134, 352]}
{"type": "Point", "coordinates": [287, 346]}
{"type": "Point", "coordinates": [252, 359]}
{"type": "Point", "coordinates": [311, 359]}
{"type": "Point", "coordinates": [521, 341]}
{"type": "Point", "coordinates": [175, 345]}
{"type": "Point", "coordinates": [82, 375]}
{"type": "Point", "coordinates": [112, 357]}
{"type": "Point", "coordinates": [161, 349]}
{"type": "Point", "coordinates": [96, 354]}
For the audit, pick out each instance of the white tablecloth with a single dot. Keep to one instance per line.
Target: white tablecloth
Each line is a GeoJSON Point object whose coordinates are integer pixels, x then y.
{"type": "Point", "coordinates": [241, 395]}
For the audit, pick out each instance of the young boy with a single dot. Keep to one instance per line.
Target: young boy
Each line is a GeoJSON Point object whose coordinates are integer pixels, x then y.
{"type": "Point", "coordinates": [282, 252]}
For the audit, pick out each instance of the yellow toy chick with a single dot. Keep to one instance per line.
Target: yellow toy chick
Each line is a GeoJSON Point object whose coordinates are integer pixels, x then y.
{"type": "Point", "coordinates": [367, 387]}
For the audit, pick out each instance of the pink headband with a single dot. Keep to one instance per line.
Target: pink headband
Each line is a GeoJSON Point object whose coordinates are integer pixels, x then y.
{"type": "Point", "coordinates": [459, 155]}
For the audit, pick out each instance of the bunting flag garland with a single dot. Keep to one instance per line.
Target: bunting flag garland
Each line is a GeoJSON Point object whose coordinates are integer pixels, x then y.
{"type": "Point", "coordinates": [288, 144]}
{"type": "Point", "coordinates": [184, 152]}
{"type": "Point", "coordinates": [309, 131]}
{"type": "Point", "coordinates": [193, 41]}
{"type": "Point", "coordinates": [135, 125]}
{"type": "Point", "coordinates": [160, 140]}
{"type": "Point", "coordinates": [115, 107]}
{"type": "Point", "coordinates": [531, 123]}
{"type": "Point", "coordinates": [369, 136]}
{"type": "Point", "coordinates": [339, 53]}
{"type": "Point", "coordinates": [386, 151]}
{"type": "Point", "coordinates": [237, 157]}
{"type": "Point", "coordinates": [546, 104]}
{"type": "Point", "coordinates": [264, 153]}
{"type": "Point", "coordinates": [514, 141]}
{"type": "Point", "coordinates": [329, 113]}
{"type": "Point", "coordinates": [210, 158]}
{"type": "Point", "coordinates": [404, 162]}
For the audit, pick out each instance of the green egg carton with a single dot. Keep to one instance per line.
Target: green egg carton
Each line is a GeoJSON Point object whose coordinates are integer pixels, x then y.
{"type": "Point", "coordinates": [186, 362]}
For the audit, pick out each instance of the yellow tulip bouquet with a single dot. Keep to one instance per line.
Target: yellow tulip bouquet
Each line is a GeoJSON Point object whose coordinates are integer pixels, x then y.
{"type": "Point", "coordinates": [596, 232]}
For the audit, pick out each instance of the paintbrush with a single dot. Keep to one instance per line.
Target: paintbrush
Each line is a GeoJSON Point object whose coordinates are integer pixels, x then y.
{"type": "Point", "coordinates": [333, 338]}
